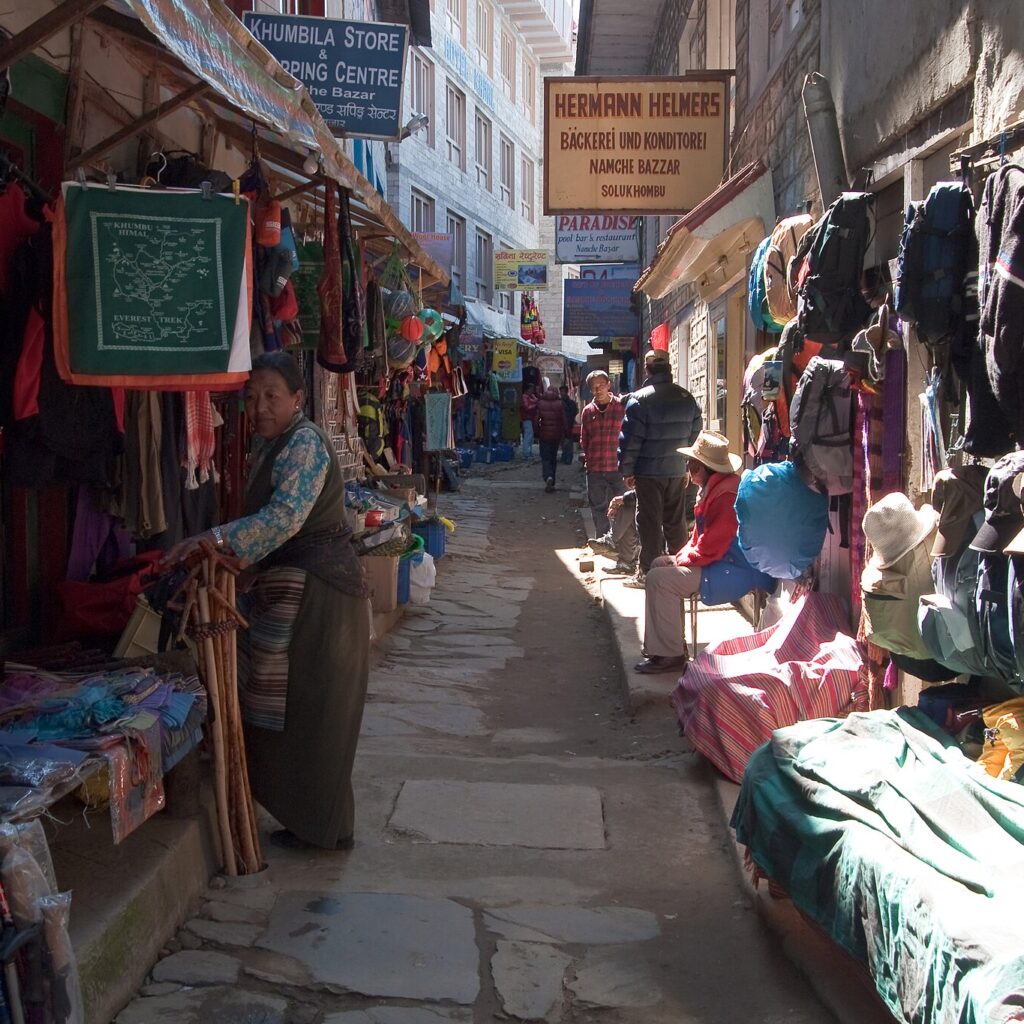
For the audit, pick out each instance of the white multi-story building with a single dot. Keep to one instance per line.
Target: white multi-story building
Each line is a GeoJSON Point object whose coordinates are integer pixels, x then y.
{"type": "Point", "coordinates": [475, 171]}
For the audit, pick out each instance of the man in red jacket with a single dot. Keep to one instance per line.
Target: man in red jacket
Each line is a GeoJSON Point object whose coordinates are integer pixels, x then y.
{"type": "Point", "coordinates": [600, 423]}
{"type": "Point", "coordinates": [552, 426]}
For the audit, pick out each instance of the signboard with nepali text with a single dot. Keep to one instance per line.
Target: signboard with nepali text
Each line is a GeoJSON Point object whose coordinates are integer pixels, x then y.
{"type": "Point", "coordinates": [352, 70]}
{"type": "Point", "coordinates": [596, 238]}
{"type": "Point", "coordinates": [521, 270]}
{"type": "Point", "coordinates": [634, 145]}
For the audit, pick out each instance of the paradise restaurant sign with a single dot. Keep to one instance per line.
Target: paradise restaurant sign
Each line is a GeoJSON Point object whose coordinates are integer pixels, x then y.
{"type": "Point", "coordinates": [634, 145]}
{"type": "Point", "coordinates": [351, 69]}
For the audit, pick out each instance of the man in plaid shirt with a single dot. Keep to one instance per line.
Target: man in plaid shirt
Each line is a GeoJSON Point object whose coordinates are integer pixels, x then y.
{"type": "Point", "coordinates": [599, 439]}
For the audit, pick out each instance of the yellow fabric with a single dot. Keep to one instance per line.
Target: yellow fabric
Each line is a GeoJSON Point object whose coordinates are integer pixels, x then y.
{"type": "Point", "coordinates": [1003, 753]}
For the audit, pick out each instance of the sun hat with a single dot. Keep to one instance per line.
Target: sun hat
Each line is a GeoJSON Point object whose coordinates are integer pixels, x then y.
{"type": "Point", "coordinates": [957, 496]}
{"type": "Point", "coordinates": [711, 449]}
{"type": "Point", "coordinates": [655, 355]}
{"type": "Point", "coordinates": [1003, 515]}
{"type": "Point", "coordinates": [893, 527]}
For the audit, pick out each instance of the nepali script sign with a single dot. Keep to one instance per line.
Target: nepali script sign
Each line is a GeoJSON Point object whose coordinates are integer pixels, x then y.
{"type": "Point", "coordinates": [634, 145]}
{"type": "Point", "coordinates": [596, 238]}
{"type": "Point", "coordinates": [351, 69]}
{"type": "Point", "coordinates": [520, 270]}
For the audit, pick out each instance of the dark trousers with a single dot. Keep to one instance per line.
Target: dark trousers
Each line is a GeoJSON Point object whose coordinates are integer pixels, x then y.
{"type": "Point", "coordinates": [660, 516]}
{"type": "Point", "coordinates": [601, 488]}
{"type": "Point", "coordinates": [568, 450]}
{"type": "Point", "coordinates": [548, 459]}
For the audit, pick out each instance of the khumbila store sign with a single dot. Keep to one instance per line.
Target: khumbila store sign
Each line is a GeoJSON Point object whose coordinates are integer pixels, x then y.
{"type": "Point", "coordinates": [351, 69]}
{"type": "Point", "coordinates": [633, 145]}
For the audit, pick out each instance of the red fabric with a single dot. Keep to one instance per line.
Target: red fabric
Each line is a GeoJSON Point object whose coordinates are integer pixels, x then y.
{"type": "Point", "coordinates": [716, 524]}
{"type": "Point", "coordinates": [25, 399]}
{"type": "Point", "coordinates": [15, 226]}
{"type": "Point", "coordinates": [599, 434]}
{"type": "Point", "coordinates": [738, 692]}
{"type": "Point", "coordinates": [552, 421]}
{"type": "Point", "coordinates": [528, 407]}
{"type": "Point", "coordinates": [659, 338]}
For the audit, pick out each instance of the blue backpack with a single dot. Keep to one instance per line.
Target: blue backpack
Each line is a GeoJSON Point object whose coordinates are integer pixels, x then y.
{"type": "Point", "coordinates": [757, 299]}
{"type": "Point", "coordinates": [782, 522]}
{"type": "Point", "coordinates": [932, 266]}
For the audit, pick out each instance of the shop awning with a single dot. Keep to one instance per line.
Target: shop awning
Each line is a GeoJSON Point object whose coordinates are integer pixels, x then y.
{"type": "Point", "coordinates": [495, 323]}
{"type": "Point", "coordinates": [206, 39]}
{"type": "Point", "coordinates": [709, 246]}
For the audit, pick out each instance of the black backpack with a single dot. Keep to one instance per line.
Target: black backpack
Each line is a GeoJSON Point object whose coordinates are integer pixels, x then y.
{"type": "Point", "coordinates": [829, 300]}
{"type": "Point", "coordinates": [935, 252]}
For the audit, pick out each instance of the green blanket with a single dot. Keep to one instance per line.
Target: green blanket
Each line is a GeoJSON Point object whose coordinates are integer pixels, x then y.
{"type": "Point", "coordinates": [905, 852]}
{"type": "Point", "coordinates": [154, 280]}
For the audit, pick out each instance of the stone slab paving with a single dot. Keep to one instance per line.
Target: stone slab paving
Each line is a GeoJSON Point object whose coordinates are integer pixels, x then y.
{"type": "Point", "coordinates": [380, 944]}
{"type": "Point", "coordinates": [206, 1006]}
{"type": "Point", "coordinates": [501, 814]}
{"type": "Point", "coordinates": [573, 924]}
{"type": "Point", "coordinates": [529, 978]}
{"type": "Point", "coordinates": [397, 1015]}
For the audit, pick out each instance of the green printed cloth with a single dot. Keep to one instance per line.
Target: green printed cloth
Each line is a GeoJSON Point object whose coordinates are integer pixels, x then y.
{"type": "Point", "coordinates": [904, 851]}
{"type": "Point", "coordinates": [155, 282]}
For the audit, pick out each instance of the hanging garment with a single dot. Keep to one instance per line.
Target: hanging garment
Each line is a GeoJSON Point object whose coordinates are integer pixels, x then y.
{"type": "Point", "coordinates": [353, 302]}
{"type": "Point", "coordinates": [164, 305]}
{"type": "Point", "coordinates": [331, 352]}
{"type": "Point", "coordinates": [98, 540]}
{"type": "Point", "coordinates": [63, 434]}
{"type": "Point", "coordinates": [439, 421]}
{"type": "Point", "coordinates": [200, 440]}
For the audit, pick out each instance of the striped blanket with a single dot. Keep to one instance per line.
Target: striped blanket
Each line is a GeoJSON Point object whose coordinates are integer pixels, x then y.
{"type": "Point", "coordinates": [737, 693]}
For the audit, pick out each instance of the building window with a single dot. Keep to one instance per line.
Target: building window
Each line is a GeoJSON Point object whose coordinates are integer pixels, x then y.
{"type": "Point", "coordinates": [530, 90]}
{"type": "Point", "coordinates": [422, 212]}
{"type": "Point", "coordinates": [423, 94]}
{"type": "Point", "coordinates": [508, 64]}
{"type": "Point", "coordinates": [504, 301]}
{"type": "Point", "coordinates": [527, 188]}
{"type": "Point", "coordinates": [507, 172]}
{"type": "Point", "coordinates": [455, 126]}
{"type": "Point", "coordinates": [484, 265]}
{"type": "Point", "coordinates": [457, 229]}
{"type": "Point", "coordinates": [455, 19]}
{"type": "Point", "coordinates": [482, 148]}
{"type": "Point", "coordinates": [483, 36]}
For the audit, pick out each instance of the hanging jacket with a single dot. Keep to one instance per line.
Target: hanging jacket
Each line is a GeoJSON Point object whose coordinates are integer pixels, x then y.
{"type": "Point", "coordinates": [552, 423]}
{"type": "Point", "coordinates": [659, 418]}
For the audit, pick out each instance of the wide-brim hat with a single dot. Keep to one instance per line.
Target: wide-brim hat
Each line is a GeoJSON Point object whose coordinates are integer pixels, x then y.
{"type": "Point", "coordinates": [1004, 517]}
{"type": "Point", "coordinates": [711, 449]}
{"type": "Point", "coordinates": [893, 527]}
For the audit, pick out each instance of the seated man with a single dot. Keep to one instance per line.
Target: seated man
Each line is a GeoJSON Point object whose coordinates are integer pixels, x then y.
{"type": "Point", "coordinates": [621, 541]}
{"type": "Point", "coordinates": [710, 563]}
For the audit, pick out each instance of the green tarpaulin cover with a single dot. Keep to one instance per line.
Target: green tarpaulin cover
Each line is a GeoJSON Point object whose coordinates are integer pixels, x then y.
{"type": "Point", "coordinates": [904, 851]}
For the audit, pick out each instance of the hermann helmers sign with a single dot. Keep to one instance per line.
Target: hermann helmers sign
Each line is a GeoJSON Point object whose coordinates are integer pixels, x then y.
{"type": "Point", "coordinates": [633, 145]}
{"type": "Point", "coordinates": [351, 69]}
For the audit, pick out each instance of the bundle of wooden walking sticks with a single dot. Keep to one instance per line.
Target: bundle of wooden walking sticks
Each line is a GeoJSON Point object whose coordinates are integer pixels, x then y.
{"type": "Point", "coordinates": [206, 600]}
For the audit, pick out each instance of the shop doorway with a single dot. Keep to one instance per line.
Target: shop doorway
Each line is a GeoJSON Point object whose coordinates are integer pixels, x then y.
{"type": "Point", "coordinates": [726, 359]}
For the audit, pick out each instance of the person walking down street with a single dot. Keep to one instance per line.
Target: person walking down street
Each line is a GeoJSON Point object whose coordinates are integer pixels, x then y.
{"type": "Point", "coordinates": [304, 662]}
{"type": "Point", "coordinates": [552, 426]}
{"type": "Point", "coordinates": [659, 419]}
{"type": "Point", "coordinates": [711, 563]}
{"type": "Point", "coordinates": [600, 424]}
{"type": "Point", "coordinates": [528, 414]}
{"type": "Point", "coordinates": [571, 411]}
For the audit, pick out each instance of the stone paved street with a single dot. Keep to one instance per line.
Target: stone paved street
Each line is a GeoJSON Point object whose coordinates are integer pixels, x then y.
{"type": "Point", "coordinates": [524, 850]}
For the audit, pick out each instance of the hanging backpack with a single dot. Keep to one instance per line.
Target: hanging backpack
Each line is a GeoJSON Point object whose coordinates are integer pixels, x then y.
{"type": "Point", "coordinates": [821, 424]}
{"type": "Point", "coordinates": [373, 427]}
{"type": "Point", "coordinates": [829, 300]}
{"type": "Point", "coordinates": [993, 605]}
{"type": "Point", "coordinates": [752, 404]}
{"type": "Point", "coordinates": [756, 303]}
{"type": "Point", "coordinates": [782, 522]}
{"type": "Point", "coordinates": [782, 247]}
{"type": "Point", "coordinates": [933, 260]}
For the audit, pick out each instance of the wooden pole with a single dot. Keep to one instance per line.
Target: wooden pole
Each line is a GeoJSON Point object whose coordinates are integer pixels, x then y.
{"type": "Point", "coordinates": [219, 779]}
{"type": "Point", "coordinates": [13, 49]}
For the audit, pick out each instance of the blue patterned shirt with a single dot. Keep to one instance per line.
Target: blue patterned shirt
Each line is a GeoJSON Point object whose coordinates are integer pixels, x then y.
{"type": "Point", "coordinates": [298, 476]}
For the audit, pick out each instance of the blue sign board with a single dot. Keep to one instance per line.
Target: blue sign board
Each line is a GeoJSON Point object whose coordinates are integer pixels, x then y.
{"type": "Point", "coordinates": [599, 307]}
{"type": "Point", "coordinates": [351, 69]}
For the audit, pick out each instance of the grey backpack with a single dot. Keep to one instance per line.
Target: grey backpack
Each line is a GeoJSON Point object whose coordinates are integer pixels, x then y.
{"type": "Point", "coordinates": [821, 421]}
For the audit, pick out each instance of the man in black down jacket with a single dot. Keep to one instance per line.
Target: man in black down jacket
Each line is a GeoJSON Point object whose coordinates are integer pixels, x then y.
{"type": "Point", "coordinates": [660, 418]}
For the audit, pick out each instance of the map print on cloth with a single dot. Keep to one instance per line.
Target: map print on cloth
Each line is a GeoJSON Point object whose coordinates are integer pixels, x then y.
{"type": "Point", "coordinates": [156, 282]}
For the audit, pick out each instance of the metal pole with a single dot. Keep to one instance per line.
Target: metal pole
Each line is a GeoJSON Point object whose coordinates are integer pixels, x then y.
{"type": "Point", "coordinates": [826, 146]}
